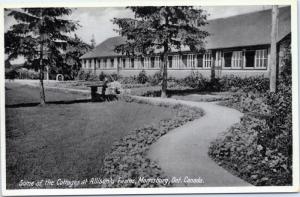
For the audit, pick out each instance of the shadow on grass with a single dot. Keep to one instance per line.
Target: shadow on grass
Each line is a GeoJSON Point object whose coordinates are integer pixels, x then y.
{"type": "Point", "coordinates": [99, 98]}
{"type": "Point", "coordinates": [183, 92]}
{"type": "Point", "coordinates": [172, 92]}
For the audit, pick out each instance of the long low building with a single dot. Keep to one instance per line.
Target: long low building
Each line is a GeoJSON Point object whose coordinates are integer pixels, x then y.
{"type": "Point", "coordinates": [237, 45]}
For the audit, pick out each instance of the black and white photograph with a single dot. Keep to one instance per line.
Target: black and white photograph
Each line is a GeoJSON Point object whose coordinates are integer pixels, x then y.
{"type": "Point", "coordinates": [156, 98]}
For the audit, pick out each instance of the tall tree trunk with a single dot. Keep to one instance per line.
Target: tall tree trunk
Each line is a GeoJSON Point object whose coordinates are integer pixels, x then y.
{"type": "Point", "coordinates": [164, 84]}
{"type": "Point", "coordinates": [273, 62]}
{"type": "Point", "coordinates": [41, 76]}
{"type": "Point", "coordinates": [164, 76]}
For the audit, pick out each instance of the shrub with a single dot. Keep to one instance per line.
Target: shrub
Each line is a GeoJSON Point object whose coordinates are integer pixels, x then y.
{"type": "Point", "coordinates": [11, 74]}
{"type": "Point", "coordinates": [114, 77]}
{"type": "Point", "coordinates": [128, 80]}
{"type": "Point", "coordinates": [195, 80]}
{"type": "Point", "coordinates": [156, 78]}
{"type": "Point", "coordinates": [102, 76]}
{"type": "Point", "coordinates": [247, 84]}
{"type": "Point", "coordinates": [80, 75]}
{"type": "Point", "coordinates": [87, 76]}
{"type": "Point", "coordinates": [142, 77]}
{"type": "Point", "coordinates": [24, 73]}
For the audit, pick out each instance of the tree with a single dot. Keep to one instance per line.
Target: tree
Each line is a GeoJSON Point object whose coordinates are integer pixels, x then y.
{"type": "Point", "coordinates": [273, 62]}
{"type": "Point", "coordinates": [93, 42]}
{"type": "Point", "coordinates": [39, 35]}
{"type": "Point", "coordinates": [68, 63]}
{"type": "Point", "coordinates": [161, 29]}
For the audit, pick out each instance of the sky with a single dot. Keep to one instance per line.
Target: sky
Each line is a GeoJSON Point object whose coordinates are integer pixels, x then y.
{"type": "Point", "coordinates": [96, 22]}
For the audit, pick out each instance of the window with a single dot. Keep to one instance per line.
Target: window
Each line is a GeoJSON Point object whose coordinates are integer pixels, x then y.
{"type": "Point", "coordinates": [261, 58]}
{"type": "Point", "coordinates": [207, 60]}
{"type": "Point", "coordinates": [90, 63]}
{"type": "Point", "coordinates": [105, 63]}
{"type": "Point", "coordinates": [199, 60]}
{"type": "Point", "coordinates": [124, 63]}
{"type": "Point", "coordinates": [83, 63]}
{"type": "Point", "coordinates": [137, 62]}
{"type": "Point", "coordinates": [176, 61]}
{"type": "Point", "coordinates": [98, 62]}
{"type": "Point", "coordinates": [142, 62]}
{"type": "Point", "coordinates": [227, 59]}
{"type": "Point", "coordinates": [237, 59]}
{"type": "Point", "coordinates": [184, 60]}
{"type": "Point", "coordinates": [152, 59]}
{"type": "Point", "coordinates": [127, 63]}
{"type": "Point", "coordinates": [191, 61]}
{"type": "Point", "coordinates": [147, 62]}
{"type": "Point", "coordinates": [170, 61]}
{"type": "Point", "coordinates": [112, 61]}
{"type": "Point", "coordinates": [157, 62]}
{"type": "Point", "coordinates": [250, 59]}
{"type": "Point", "coordinates": [219, 58]}
{"type": "Point", "coordinates": [132, 62]}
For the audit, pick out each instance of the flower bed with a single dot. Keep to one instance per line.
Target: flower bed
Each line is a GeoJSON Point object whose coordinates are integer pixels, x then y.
{"type": "Point", "coordinates": [127, 159]}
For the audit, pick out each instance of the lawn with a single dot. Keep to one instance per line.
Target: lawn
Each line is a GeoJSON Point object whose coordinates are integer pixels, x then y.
{"type": "Point", "coordinates": [15, 93]}
{"type": "Point", "coordinates": [66, 140]}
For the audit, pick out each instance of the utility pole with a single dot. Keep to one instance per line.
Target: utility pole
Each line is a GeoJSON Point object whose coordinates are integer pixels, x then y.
{"type": "Point", "coordinates": [273, 62]}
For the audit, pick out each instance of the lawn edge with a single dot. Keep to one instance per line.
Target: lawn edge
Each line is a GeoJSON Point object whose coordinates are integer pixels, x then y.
{"type": "Point", "coordinates": [128, 157]}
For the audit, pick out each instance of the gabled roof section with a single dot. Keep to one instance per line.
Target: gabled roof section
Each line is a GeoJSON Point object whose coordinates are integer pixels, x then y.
{"type": "Point", "coordinates": [242, 30]}
{"type": "Point", "coordinates": [247, 29]}
{"type": "Point", "coordinates": [106, 48]}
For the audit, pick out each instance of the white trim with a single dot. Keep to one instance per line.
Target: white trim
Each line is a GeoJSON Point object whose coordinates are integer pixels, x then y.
{"type": "Point", "coordinates": [191, 61]}
{"type": "Point", "coordinates": [207, 60]}
{"type": "Point", "coordinates": [147, 62]}
{"type": "Point", "coordinates": [261, 59]}
{"type": "Point", "coordinates": [156, 62]}
{"type": "Point", "coordinates": [176, 61]}
{"type": "Point", "coordinates": [237, 59]}
{"type": "Point", "coordinates": [219, 60]}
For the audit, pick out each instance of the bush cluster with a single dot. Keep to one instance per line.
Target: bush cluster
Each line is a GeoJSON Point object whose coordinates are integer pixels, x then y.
{"type": "Point", "coordinates": [87, 76]}
{"type": "Point", "coordinates": [22, 73]}
{"type": "Point", "coordinates": [195, 80]}
{"type": "Point", "coordinates": [127, 158]}
{"type": "Point", "coordinates": [247, 84]}
{"type": "Point", "coordinates": [142, 77]}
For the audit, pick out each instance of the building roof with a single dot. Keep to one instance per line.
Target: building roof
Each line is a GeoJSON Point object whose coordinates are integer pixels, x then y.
{"type": "Point", "coordinates": [242, 30]}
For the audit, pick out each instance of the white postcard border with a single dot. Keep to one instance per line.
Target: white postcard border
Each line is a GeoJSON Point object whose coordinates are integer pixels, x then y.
{"type": "Point", "coordinates": [174, 190]}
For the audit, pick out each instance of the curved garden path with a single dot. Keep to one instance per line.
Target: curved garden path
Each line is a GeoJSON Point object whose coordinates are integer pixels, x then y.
{"type": "Point", "coordinates": [184, 151]}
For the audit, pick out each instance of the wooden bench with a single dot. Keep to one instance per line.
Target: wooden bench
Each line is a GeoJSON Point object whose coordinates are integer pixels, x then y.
{"type": "Point", "coordinates": [94, 89]}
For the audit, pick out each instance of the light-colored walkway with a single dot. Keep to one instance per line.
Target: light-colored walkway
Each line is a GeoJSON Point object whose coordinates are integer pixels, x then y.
{"type": "Point", "coordinates": [184, 151]}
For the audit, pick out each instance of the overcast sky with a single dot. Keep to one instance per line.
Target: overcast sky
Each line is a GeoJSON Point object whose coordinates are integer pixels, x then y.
{"type": "Point", "coordinates": [97, 21]}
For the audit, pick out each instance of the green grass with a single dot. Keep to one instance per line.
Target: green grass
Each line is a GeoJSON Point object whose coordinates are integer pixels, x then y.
{"type": "Point", "coordinates": [17, 94]}
{"type": "Point", "coordinates": [67, 141]}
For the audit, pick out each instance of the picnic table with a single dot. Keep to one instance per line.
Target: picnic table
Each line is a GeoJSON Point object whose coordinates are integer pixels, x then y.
{"type": "Point", "coordinates": [94, 89]}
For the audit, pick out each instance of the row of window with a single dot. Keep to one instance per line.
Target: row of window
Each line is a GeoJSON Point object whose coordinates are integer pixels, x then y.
{"type": "Point", "coordinates": [229, 59]}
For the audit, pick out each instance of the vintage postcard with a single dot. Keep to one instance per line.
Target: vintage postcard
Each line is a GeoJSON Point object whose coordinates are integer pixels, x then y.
{"type": "Point", "coordinates": [152, 97]}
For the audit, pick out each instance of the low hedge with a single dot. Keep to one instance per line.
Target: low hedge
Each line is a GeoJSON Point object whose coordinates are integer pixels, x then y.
{"type": "Point", "coordinates": [246, 84]}
{"type": "Point", "coordinates": [128, 160]}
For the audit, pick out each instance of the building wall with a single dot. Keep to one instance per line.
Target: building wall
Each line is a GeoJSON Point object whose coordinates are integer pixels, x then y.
{"type": "Point", "coordinates": [181, 69]}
